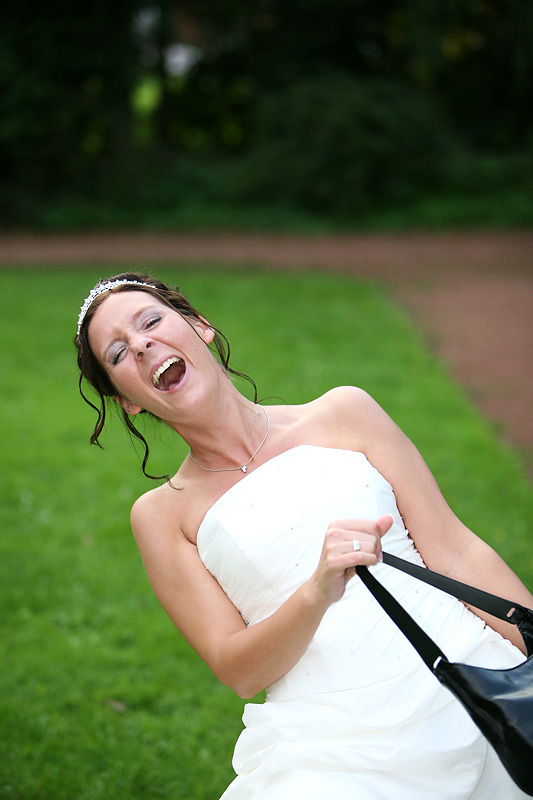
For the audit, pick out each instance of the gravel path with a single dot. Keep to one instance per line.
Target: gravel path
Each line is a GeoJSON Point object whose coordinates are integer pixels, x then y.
{"type": "Point", "coordinates": [471, 293]}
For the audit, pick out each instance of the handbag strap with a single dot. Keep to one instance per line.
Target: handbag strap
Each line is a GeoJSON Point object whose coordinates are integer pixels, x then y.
{"type": "Point", "coordinates": [428, 651]}
{"type": "Point", "coordinates": [497, 606]}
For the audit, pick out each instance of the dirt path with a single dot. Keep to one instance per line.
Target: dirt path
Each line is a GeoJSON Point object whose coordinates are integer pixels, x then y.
{"type": "Point", "coordinates": [472, 293]}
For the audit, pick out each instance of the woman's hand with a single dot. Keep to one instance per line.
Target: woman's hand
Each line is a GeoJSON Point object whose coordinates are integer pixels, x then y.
{"type": "Point", "coordinates": [347, 543]}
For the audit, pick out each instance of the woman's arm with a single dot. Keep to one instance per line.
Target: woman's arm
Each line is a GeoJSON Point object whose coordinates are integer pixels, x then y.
{"type": "Point", "coordinates": [446, 545]}
{"type": "Point", "coordinates": [245, 658]}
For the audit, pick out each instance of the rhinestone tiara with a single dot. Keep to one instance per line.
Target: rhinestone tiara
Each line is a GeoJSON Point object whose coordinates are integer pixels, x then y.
{"type": "Point", "coordinates": [101, 289]}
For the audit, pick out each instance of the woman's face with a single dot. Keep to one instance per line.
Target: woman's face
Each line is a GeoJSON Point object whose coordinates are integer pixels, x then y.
{"type": "Point", "coordinates": [156, 359]}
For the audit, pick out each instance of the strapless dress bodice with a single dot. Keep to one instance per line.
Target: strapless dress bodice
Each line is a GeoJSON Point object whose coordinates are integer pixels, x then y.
{"type": "Point", "coordinates": [359, 715]}
{"type": "Point", "coordinates": [263, 538]}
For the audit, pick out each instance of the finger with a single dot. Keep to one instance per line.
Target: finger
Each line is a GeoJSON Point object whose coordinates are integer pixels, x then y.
{"type": "Point", "coordinates": [362, 549]}
{"type": "Point", "coordinates": [365, 533]}
{"type": "Point", "coordinates": [368, 553]}
{"type": "Point", "coordinates": [353, 524]}
{"type": "Point", "coordinates": [367, 557]}
{"type": "Point", "coordinates": [384, 524]}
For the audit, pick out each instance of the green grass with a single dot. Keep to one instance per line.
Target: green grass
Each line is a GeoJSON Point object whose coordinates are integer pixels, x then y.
{"type": "Point", "coordinates": [100, 698]}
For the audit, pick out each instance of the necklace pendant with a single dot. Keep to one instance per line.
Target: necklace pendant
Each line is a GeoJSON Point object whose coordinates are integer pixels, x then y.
{"type": "Point", "coordinates": [244, 468]}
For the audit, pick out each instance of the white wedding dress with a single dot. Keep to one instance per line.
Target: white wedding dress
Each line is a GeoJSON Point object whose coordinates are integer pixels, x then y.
{"type": "Point", "coordinates": [359, 717]}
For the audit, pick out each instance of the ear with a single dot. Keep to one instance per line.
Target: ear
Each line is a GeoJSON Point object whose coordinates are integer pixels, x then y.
{"type": "Point", "coordinates": [129, 408]}
{"type": "Point", "coordinates": [205, 330]}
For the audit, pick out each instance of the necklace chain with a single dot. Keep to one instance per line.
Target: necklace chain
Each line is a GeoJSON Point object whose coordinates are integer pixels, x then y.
{"type": "Point", "coordinates": [244, 467]}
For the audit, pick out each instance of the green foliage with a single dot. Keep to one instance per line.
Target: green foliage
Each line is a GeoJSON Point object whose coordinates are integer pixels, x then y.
{"type": "Point", "coordinates": [473, 57]}
{"type": "Point", "coordinates": [64, 96]}
{"type": "Point", "coordinates": [322, 108]}
{"type": "Point", "coordinates": [477, 59]}
{"type": "Point", "coordinates": [336, 144]}
{"type": "Point", "coordinates": [101, 698]}
{"type": "Point", "coordinates": [206, 194]}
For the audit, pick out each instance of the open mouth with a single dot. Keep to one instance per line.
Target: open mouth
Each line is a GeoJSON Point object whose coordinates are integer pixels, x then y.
{"type": "Point", "coordinates": [169, 374]}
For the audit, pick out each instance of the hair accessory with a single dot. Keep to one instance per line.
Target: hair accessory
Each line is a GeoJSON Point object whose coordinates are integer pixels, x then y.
{"type": "Point", "coordinates": [244, 467]}
{"type": "Point", "coordinates": [101, 289]}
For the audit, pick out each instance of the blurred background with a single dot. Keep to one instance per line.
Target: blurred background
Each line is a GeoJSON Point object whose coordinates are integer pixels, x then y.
{"type": "Point", "coordinates": [261, 114]}
{"type": "Point", "coordinates": [345, 189]}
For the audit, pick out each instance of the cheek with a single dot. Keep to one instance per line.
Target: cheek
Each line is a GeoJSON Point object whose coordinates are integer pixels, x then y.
{"type": "Point", "coordinates": [125, 382]}
{"type": "Point", "coordinates": [99, 376]}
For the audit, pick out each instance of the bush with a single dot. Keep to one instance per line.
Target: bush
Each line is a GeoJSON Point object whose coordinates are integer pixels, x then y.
{"type": "Point", "coordinates": [338, 143]}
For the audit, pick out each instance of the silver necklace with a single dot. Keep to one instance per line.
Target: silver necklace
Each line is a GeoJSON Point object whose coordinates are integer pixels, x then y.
{"type": "Point", "coordinates": [244, 467]}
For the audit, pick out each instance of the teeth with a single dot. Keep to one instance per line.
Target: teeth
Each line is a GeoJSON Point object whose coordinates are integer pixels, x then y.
{"type": "Point", "coordinates": [168, 363]}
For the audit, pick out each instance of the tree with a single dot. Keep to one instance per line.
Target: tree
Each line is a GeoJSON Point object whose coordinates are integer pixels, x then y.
{"type": "Point", "coordinates": [67, 73]}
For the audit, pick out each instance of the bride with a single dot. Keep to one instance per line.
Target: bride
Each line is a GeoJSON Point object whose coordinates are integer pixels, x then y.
{"type": "Point", "coordinates": [251, 548]}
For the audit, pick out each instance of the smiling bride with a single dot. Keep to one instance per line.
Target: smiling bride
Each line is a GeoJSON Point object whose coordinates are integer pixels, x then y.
{"type": "Point", "coordinates": [251, 548]}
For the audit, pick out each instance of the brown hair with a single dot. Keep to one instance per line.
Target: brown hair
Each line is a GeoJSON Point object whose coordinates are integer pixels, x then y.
{"type": "Point", "coordinates": [93, 372]}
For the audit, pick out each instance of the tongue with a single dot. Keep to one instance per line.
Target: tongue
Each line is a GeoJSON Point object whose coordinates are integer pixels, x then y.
{"type": "Point", "coordinates": [171, 376]}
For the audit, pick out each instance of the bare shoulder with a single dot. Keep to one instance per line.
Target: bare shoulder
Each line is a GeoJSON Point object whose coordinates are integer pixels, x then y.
{"type": "Point", "coordinates": [347, 414]}
{"type": "Point", "coordinates": [158, 509]}
{"type": "Point", "coordinates": [346, 399]}
{"type": "Point", "coordinates": [147, 503]}
{"type": "Point", "coordinates": [349, 418]}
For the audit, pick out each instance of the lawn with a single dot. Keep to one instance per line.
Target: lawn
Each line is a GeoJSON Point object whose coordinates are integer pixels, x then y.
{"type": "Point", "coordinates": [100, 698]}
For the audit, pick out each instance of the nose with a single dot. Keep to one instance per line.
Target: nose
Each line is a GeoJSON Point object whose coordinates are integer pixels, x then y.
{"type": "Point", "coordinates": [141, 346]}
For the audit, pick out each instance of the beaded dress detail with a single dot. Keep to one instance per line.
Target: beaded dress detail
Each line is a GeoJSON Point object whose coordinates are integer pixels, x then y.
{"type": "Point", "coordinates": [359, 717]}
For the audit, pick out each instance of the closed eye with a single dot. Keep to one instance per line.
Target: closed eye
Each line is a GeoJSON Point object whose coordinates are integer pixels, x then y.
{"type": "Point", "coordinates": [117, 355]}
{"type": "Point", "coordinates": [148, 323]}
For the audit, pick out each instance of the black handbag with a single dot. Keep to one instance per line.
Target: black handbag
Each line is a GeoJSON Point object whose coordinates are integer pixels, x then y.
{"type": "Point", "coordinates": [500, 701]}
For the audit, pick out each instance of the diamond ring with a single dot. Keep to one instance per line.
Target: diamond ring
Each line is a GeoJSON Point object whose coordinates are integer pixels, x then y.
{"type": "Point", "coordinates": [356, 545]}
